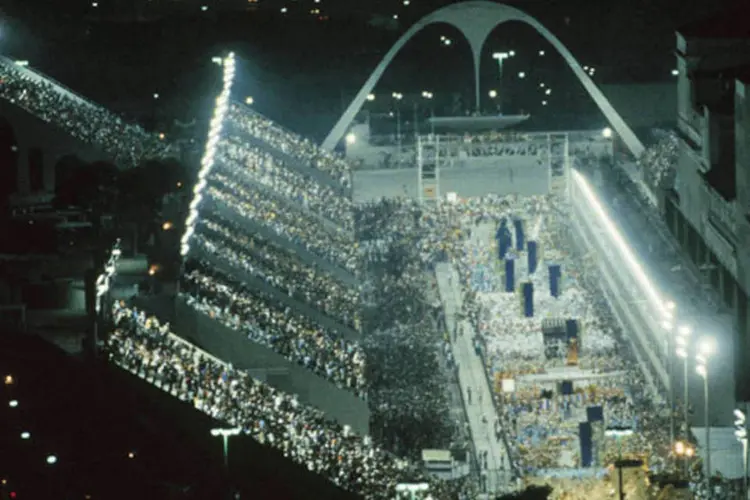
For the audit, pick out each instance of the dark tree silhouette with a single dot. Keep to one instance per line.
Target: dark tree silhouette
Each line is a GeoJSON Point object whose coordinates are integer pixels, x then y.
{"type": "Point", "coordinates": [530, 493]}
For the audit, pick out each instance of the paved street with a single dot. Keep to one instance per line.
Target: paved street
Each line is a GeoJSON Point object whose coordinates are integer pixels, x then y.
{"type": "Point", "coordinates": [481, 412]}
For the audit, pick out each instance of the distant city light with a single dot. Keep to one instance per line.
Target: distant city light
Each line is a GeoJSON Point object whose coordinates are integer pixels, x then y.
{"type": "Point", "coordinates": [541, 52]}
{"type": "Point", "coordinates": [25, 435]}
{"type": "Point", "coordinates": [521, 75]}
{"type": "Point", "coordinates": [13, 403]}
{"type": "Point", "coordinates": [51, 459]}
{"type": "Point", "coordinates": [131, 454]}
{"type": "Point", "coordinates": [161, 136]}
{"type": "Point", "coordinates": [370, 97]}
{"type": "Point", "coordinates": [398, 96]}
{"type": "Point", "coordinates": [493, 93]}
{"type": "Point", "coordinates": [675, 72]}
{"type": "Point", "coordinates": [153, 269]}
{"type": "Point", "coordinates": [585, 68]}
{"type": "Point", "coordinates": [351, 139]}
{"type": "Point", "coordinates": [427, 94]}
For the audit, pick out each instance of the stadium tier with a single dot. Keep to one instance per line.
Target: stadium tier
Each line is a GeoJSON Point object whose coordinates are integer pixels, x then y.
{"type": "Point", "coordinates": [125, 143]}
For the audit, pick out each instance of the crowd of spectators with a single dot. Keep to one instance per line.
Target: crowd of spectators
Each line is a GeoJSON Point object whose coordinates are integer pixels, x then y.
{"type": "Point", "coordinates": [251, 164]}
{"type": "Point", "coordinates": [658, 164]}
{"type": "Point", "coordinates": [301, 228]}
{"type": "Point", "coordinates": [310, 154]}
{"type": "Point", "coordinates": [127, 144]}
{"type": "Point", "coordinates": [280, 268]}
{"type": "Point", "coordinates": [269, 322]}
{"type": "Point", "coordinates": [148, 349]}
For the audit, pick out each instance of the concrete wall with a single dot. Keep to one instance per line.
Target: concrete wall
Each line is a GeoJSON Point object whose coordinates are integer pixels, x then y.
{"type": "Point", "coordinates": [232, 346]}
{"type": "Point", "coordinates": [31, 132]}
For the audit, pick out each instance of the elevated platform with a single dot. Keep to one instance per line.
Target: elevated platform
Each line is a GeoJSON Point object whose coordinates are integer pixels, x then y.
{"type": "Point", "coordinates": [475, 123]}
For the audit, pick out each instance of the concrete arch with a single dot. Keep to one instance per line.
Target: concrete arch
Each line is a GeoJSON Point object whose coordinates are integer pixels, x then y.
{"type": "Point", "coordinates": [476, 19]}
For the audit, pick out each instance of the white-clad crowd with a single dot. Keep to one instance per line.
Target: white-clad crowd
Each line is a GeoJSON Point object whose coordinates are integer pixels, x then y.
{"type": "Point", "coordinates": [250, 164]}
{"type": "Point", "coordinates": [256, 125]}
{"type": "Point", "coordinates": [658, 163]}
{"type": "Point", "coordinates": [128, 144]}
{"type": "Point", "coordinates": [268, 322]}
{"type": "Point", "coordinates": [280, 268]}
{"type": "Point", "coordinates": [263, 208]}
{"type": "Point", "coordinates": [303, 434]}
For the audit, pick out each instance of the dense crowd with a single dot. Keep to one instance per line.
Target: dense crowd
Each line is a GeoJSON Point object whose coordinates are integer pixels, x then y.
{"type": "Point", "coordinates": [250, 164]}
{"type": "Point", "coordinates": [147, 348]}
{"type": "Point", "coordinates": [280, 268]}
{"type": "Point", "coordinates": [658, 164]}
{"type": "Point", "coordinates": [127, 144]}
{"type": "Point", "coordinates": [267, 321]}
{"type": "Point", "coordinates": [299, 227]}
{"type": "Point", "coordinates": [256, 125]}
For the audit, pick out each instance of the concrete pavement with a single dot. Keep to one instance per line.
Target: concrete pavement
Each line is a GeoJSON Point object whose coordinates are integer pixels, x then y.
{"type": "Point", "coordinates": [479, 406]}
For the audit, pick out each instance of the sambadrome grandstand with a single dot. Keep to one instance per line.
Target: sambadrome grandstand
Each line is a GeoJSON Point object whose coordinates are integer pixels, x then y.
{"type": "Point", "coordinates": [325, 326]}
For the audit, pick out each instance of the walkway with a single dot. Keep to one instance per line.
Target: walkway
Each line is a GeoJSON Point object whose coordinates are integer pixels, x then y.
{"type": "Point", "coordinates": [471, 375]}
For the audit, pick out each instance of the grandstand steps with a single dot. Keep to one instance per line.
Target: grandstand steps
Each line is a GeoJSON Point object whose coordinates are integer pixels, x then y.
{"type": "Point", "coordinates": [294, 205]}
{"type": "Point", "coordinates": [250, 225]}
{"type": "Point", "coordinates": [259, 471]}
{"type": "Point", "coordinates": [232, 346]}
{"type": "Point", "coordinates": [289, 161]}
{"type": "Point", "coordinates": [259, 284]}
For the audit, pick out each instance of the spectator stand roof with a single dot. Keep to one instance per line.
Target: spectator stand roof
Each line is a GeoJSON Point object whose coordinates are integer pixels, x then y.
{"type": "Point", "coordinates": [475, 123]}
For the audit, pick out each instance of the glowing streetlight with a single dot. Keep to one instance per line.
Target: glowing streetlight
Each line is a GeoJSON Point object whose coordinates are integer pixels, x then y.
{"type": "Point", "coordinates": [351, 138]}
{"type": "Point", "coordinates": [370, 97]}
{"type": "Point", "coordinates": [249, 100]}
{"type": "Point", "coordinates": [706, 348]}
{"type": "Point", "coordinates": [607, 133]}
{"type": "Point", "coordinates": [51, 459]}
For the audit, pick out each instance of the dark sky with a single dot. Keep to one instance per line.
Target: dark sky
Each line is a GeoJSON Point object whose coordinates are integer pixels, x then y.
{"type": "Point", "coordinates": [301, 70]}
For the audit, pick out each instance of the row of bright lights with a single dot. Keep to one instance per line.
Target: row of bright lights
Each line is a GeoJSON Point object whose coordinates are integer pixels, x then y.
{"type": "Point", "coordinates": [214, 132]}
{"type": "Point", "coordinates": [663, 308]}
{"type": "Point", "coordinates": [104, 279]}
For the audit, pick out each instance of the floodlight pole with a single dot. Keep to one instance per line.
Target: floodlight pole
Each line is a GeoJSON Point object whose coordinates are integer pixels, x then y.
{"type": "Point", "coordinates": [226, 433]}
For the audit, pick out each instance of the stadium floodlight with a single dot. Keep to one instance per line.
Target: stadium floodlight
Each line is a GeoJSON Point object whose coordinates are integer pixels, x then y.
{"type": "Point", "coordinates": [521, 74]}
{"type": "Point", "coordinates": [249, 100]}
{"type": "Point", "coordinates": [493, 93]}
{"type": "Point", "coordinates": [13, 403]}
{"type": "Point", "coordinates": [675, 72]}
{"type": "Point", "coordinates": [652, 294]}
{"type": "Point", "coordinates": [370, 97]}
{"type": "Point", "coordinates": [406, 3]}
{"type": "Point", "coordinates": [51, 459]}
{"type": "Point", "coordinates": [207, 162]}
{"type": "Point", "coordinates": [544, 103]}
{"type": "Point", "coordinates": [204, 8]}
{"type": "Point", "coordinates": [351, 138]}
{"type": "Point", "coordinates": [607, 133]}
{"type": "Point", "coordinates": [548, 91]}
{"type": "Point", "coordinates": [25, 435]}
{"type": "Point", "coordinates": [541, 52]}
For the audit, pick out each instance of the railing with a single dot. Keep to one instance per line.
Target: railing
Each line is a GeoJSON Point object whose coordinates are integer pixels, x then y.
{"type": "Point", "coordinates": [723, 209]}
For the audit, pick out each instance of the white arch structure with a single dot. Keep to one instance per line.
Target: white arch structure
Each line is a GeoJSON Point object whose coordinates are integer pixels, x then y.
{"type": "Point", "coordinates": [475, 20]}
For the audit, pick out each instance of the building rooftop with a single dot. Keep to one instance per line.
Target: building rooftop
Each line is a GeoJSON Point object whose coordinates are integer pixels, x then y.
{"type": "Point", "coordinates": [731, 24]}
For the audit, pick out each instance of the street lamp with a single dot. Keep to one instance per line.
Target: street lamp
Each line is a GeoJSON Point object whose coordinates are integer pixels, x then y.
{"type": "Point", "coordinates": [740, 432]}
{"type": "Point", "coordinates": [397, 96]}
{"type": "Point", "coordinates": [705, 349]}
{"type": "Point", "coordinates": [607, 133]}
{"type": "Point", "coordinates": [351, 138]}
{"type": "Point", "coordinates": [618, 433]}
{"type": "Point", "coordinates": [249, 100]}
{"type": "Point", "coordinates": [683, 335]}
{"type": "Point", "coordinates": [428, 95]}
{"type": "Point", "coordinates": [370, 97]}
{"type": "Point", "coordinates": [226, 433]}
{"type": "Point", "coordinates": [500, 57]}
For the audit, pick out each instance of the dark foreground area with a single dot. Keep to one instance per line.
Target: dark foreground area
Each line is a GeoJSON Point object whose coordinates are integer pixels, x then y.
{"type": "Point", "coordinates": [115, 436]}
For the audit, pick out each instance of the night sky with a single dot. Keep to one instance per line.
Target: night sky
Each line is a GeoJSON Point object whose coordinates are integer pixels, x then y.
{"type": "Point", "coordinates": [302, 70]}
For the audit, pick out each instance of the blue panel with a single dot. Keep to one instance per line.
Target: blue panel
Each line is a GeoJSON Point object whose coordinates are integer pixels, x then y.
{"type": "Point", "coordinates": [520, 236]}
{"type": "Point", "coordinates": [510, 275]}
{"type": "Point", "coordinates": [532, 256]}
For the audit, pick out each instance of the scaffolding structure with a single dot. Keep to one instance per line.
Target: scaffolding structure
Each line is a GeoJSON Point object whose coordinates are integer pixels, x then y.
{"type": "Point", "coordinates": [558, 165]}
{"type": "Point", "coordinates": [428, 168]}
